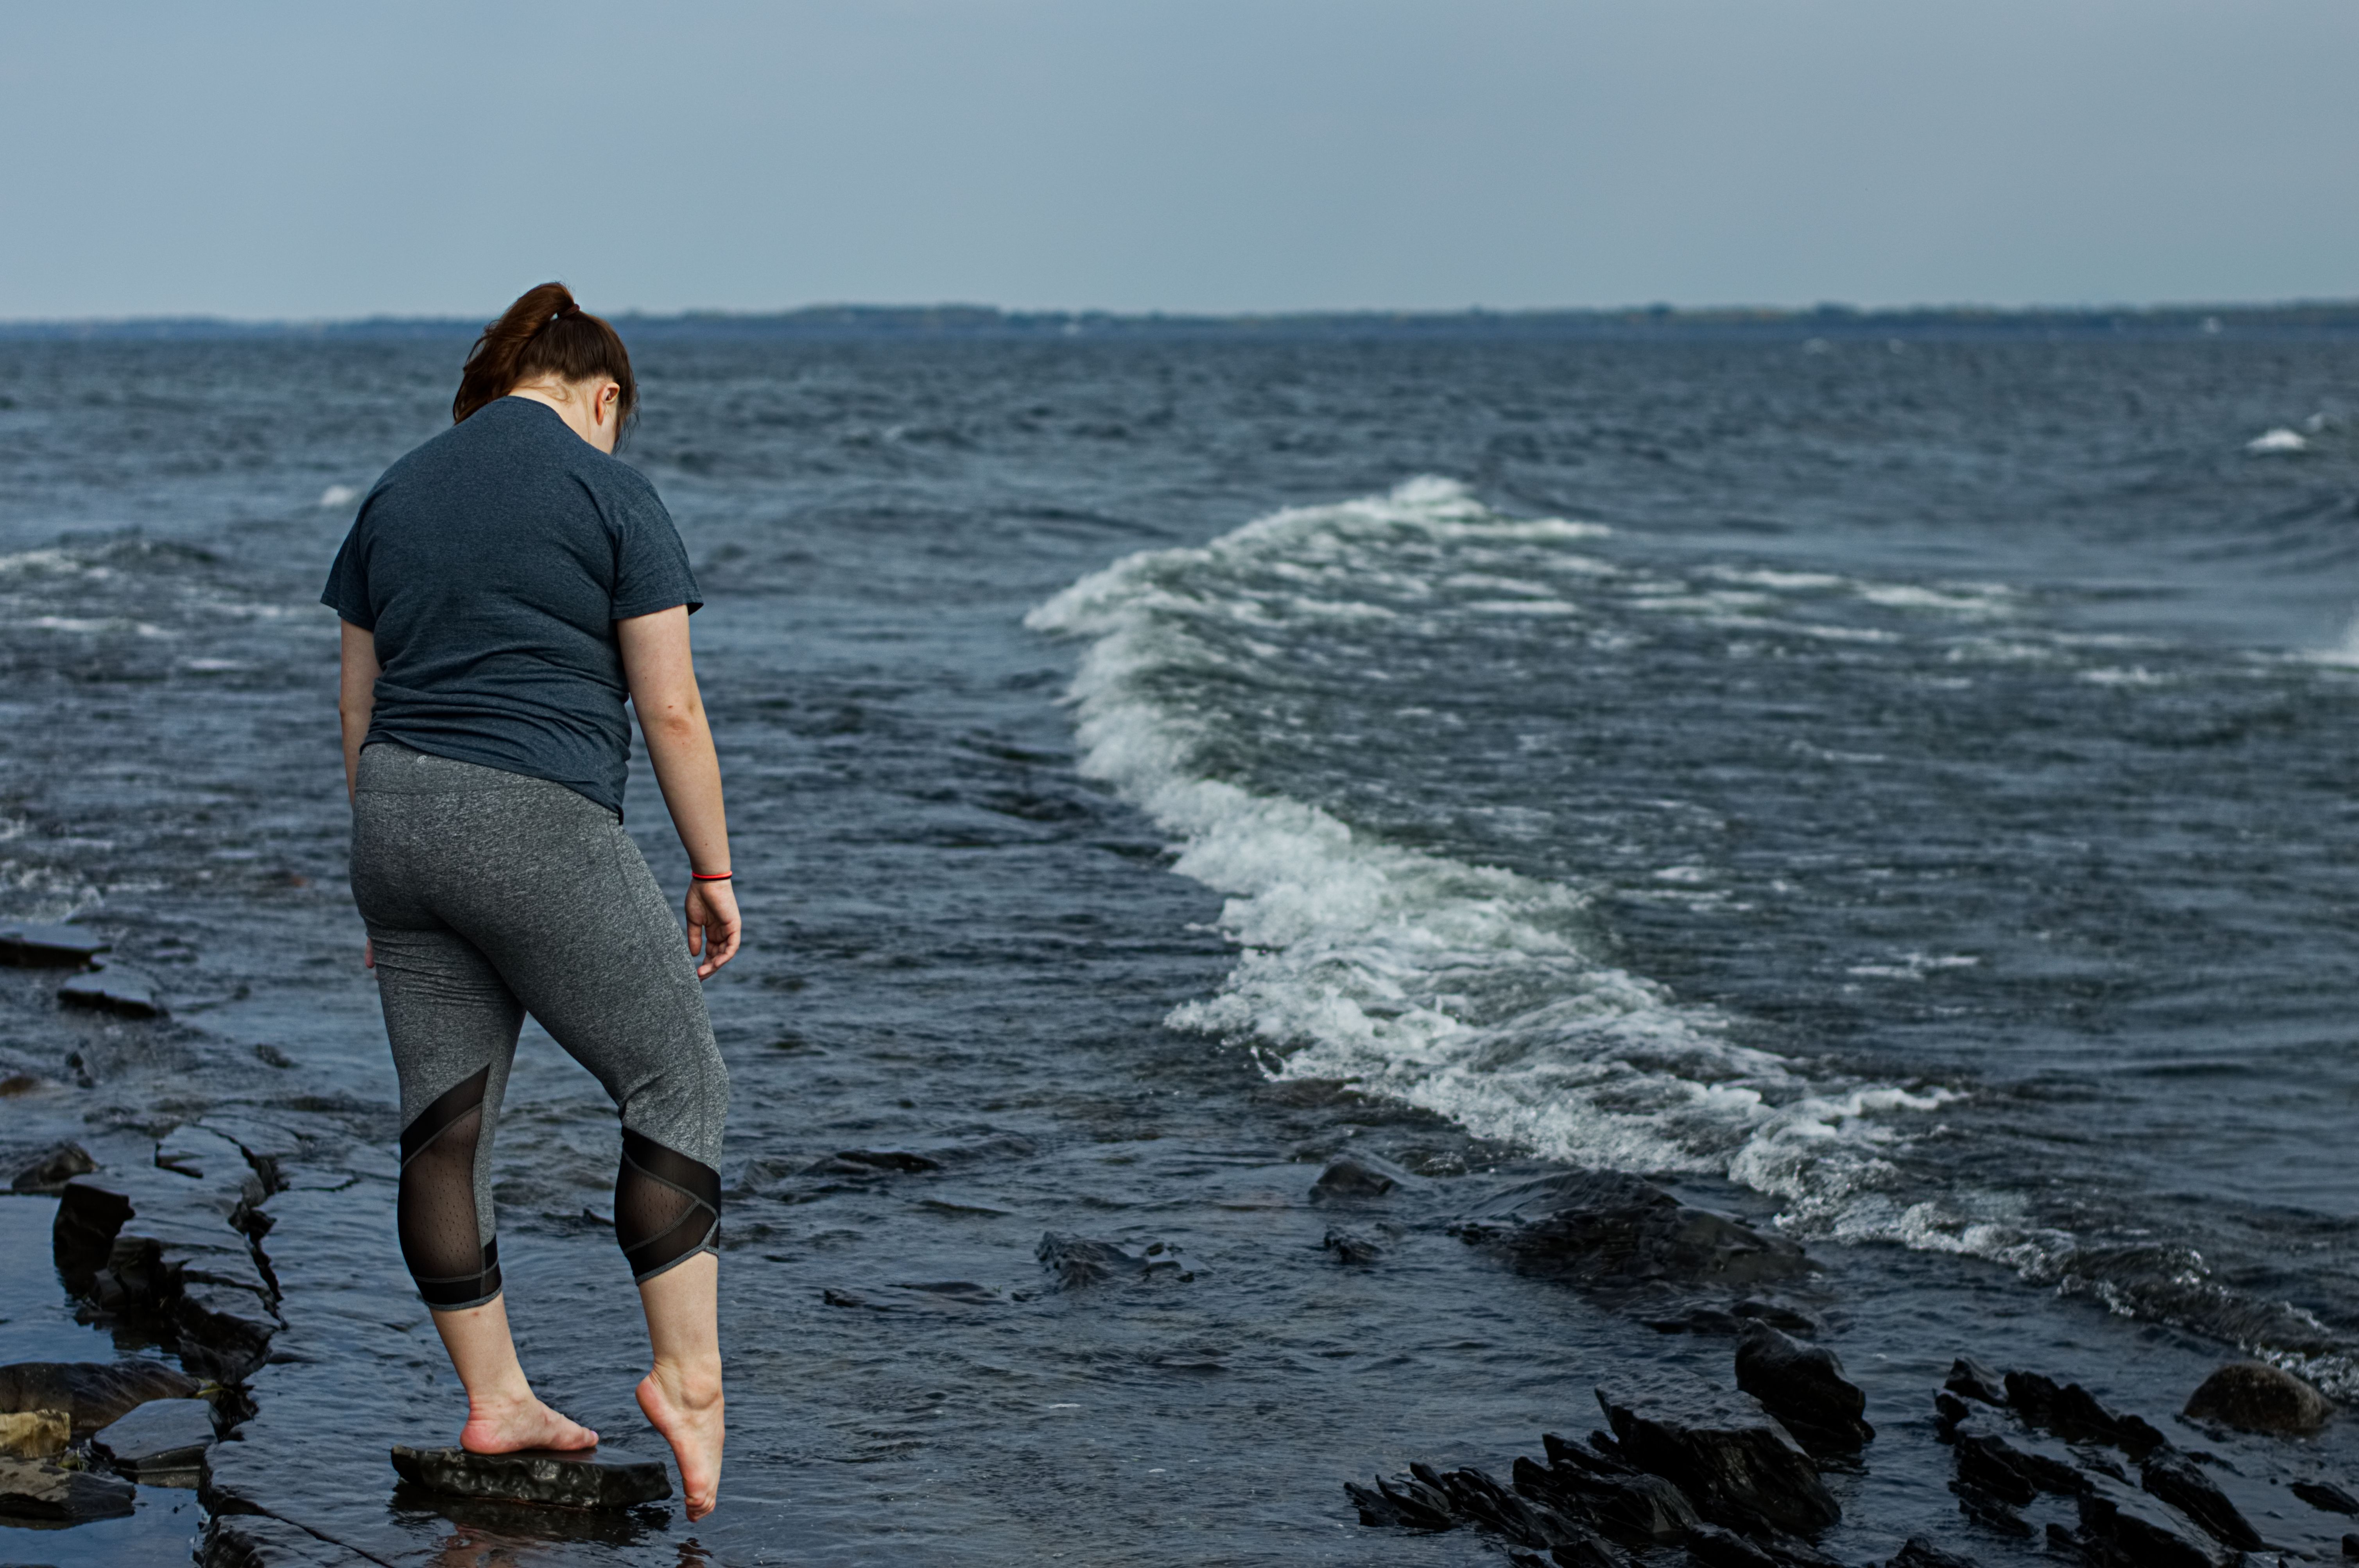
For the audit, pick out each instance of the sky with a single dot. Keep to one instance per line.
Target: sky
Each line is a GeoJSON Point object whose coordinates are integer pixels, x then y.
{"type": "Point", "coordinates": [304, 161]}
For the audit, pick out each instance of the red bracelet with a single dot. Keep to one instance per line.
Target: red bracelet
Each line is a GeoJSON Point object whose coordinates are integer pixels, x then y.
{"type": "Point", "coordinates": [710, 876]}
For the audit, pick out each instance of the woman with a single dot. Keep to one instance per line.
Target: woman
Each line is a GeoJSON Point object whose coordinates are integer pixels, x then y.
{"type": "Point", "coordinates": [504, 588]}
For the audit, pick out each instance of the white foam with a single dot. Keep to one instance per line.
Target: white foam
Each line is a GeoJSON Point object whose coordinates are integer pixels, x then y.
{"type": "Point", "coordinates": [2278, 440]}
{"type": "Point", "coordinates": [338, 495]}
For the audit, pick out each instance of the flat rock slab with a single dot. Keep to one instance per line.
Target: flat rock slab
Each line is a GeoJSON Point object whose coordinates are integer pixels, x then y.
{"type": "Point", "coordinates": [125, 992]}
{"type": "Point", "coordinates": [35, 1490]}
{"type": "Point", "coordinates": [1729, 1456]}
{"type": "Point", "coordinates": [160, 1443]}
{"type": "Point", "coordinates": [588, 1479]}
{"type": "Point", "coordinates": [259, 1541]}
{"type": "Point", "coordinates": [94, 1394]}
{"type": "Point", "coordinates": [49, 947]}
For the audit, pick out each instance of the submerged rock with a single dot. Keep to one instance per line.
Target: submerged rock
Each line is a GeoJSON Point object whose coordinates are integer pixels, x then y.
{"type": "Point", "coordinates": [94, 1394]}
{"type": "Point", "coordinates": [258, 1541]}
{"type": "Point", "coordinates": [2252, 1396]}
{"type": "Point", "coordinates": [1804, 1387]}
{"type": "Point", "coordinates": [37, 1490]}
{"type": "Point", "coordinates": [51, 947]}
{"type": "Point", "coordinates": [1352, 1246]}
{"type": "Point", "coordinates": [588, 1479]}
{"type": "Point", "coordinates": [34, 1434]}
{"type": "Point", "coordinates": [50, 1172]}
{"type": "Point", "coordinates": [160, 1443]}
{"type": "Point", "coordinates": [1729, 1456]}
{"type": "Point", "coordinates": [116, 990]}
{"type": "Point", "coordinates": [1920, 1553]}
{"type": "Point", "coordinates": [1606, 1229]}
{"type": "Point", "coordinates": [2326, 1496]}
{"type": "Point", "coordinates": [1356, 1175]}
{"type": "Point", "coordinates": [1077, 1260]}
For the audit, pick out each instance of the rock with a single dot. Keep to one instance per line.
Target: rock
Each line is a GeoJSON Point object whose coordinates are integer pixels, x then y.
{"type": "Point", "coordinates": [1803, 1386]}
{"type": "Point", "coordinates": [1356, 1175]}
{"type": "Point", "coordinates": [160, 1443]}
{"type": "Point", "coordinates": [1351, 1247]}
{"type": "Point", "coordinates": [2351, 1546]}
{"type": "Point", "coordinates": [1605, 1230]}
{"type": "Point", "coordinates": [1076, 1261]}
{"type": "Point", "coordinates": [51, 947]}
{"type": "Point", "coordinates": [258, 1541]}
{"type": "Point", "coordinates": [34, 1434]}
{"type": "Point", "coordinates": [50, 1172]}
{"type": "Point", "coordinates": [94, 1394]}
{"type": "Point", "coordinates": [2076, 1415]}
{"type": "Point", "coordinates": [590, 1479]}
{"type": "Point", "coordinates": [2013, 1474]}
{"type": "Point", "coordinates": [1633, 1507]}
{"type": "Point", "coordinates": [2327, 1496]}
{"type": "Point", "coordinates": [2139, 1530]}
{"type": "Point", "coordinates": [871, 1162]}
{"type": "Point", "coordinates": [37, 1490]}
{"type": "Point", "coordinates": [1406, 1504]}
{"type": "Point", "coordinates": [2252, 1396]}
{"type": "Point", "coordinates": [116, 990]}
{"type": "Point", "coordinates": [2178, 1480]}
{"type": "Point", "coordinates": [1715, 1548]}
{"type": "Point", "coordinates": [1970, 1379]}
{"type": "Point", "coordinates": [1478, 1498]}
{"type": "Point", "coordinates": [1729, 1456]}
{"type": "Point", "coordinates": [1920, 1552]}
{"type": "Point", "coordinates": [224, 1330]}
{"type": "Point", "coordinates": [152, 1244]}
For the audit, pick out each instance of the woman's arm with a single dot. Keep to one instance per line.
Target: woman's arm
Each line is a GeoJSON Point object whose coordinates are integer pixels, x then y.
{"type": "Point", "coordinates": [356, 698]}
{"type": "Point", "coordinates": [662, 677]}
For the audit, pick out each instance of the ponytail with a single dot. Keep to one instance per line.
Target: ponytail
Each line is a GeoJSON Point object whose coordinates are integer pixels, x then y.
{"type": "Point", "coordinates": [544, 334]}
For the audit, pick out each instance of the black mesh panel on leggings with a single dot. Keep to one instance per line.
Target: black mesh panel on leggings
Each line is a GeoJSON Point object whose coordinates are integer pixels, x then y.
{"type": "Point", "coordinates": [667, 1206]}
{"type": "Point", "coordinates": [454, 1266]}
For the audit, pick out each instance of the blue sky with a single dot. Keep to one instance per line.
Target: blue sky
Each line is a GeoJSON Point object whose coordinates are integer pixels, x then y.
{"type": "Point", "coordinates": [309, 161]}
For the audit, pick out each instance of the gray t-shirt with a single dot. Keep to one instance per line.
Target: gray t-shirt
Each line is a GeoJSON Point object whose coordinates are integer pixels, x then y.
{"type": "Point", "coordinates": [492, 564]}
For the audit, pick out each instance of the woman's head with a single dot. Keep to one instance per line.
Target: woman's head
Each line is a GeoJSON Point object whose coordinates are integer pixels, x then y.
{"type": "Point", "coordinates": [545, 340]}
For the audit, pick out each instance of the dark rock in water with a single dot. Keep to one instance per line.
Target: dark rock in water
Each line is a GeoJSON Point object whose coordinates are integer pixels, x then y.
{"type": "Point", "coordinates": [1716, 1548]}
{"type": "Point", "coordinates": [1407, 1503]}
{"type": "Point", "coordinates": [224, 1331]}
{"type": "Point", "coordinates": [1976, 1381]}
{"type": "Point", "coordinates": [1992, 1466]}
{"type": "Point", "coordinates": [1351, 1247]}
{"type": "Point", "coordinates": [2076, 1415]}
{"type": "Point", "coordinates": [94, 1394]}
{"type": "Point", "coordinates": [945, 1296]}
{"type": "Point", "coordinates": [115, 990]}
{"type": "Point", "coordinates": [1480, 1499]}
{"type": "Point", "coordinates": [50, 1172]}
{"type": "Point", "coordinates": [258, 1541]}
{"type": "Point", "coordinates": [2178, 1480]}
{"type": "Point", "coordinates": [1077, 1260]}
{"type": "Point", "coordinates": [1633, 1507]}
{"type": "Point", "coordinates": [1605, 1230]}
{"type": "Point", "coordinates": [1730, 1458]}
{"type": "Point", "coordinates": [1920, 1552]}
{"type": "Point", "coordinates": [2252, 1396]}
{"type": "Point", "coordinates": [2327, 1496]}
{"type": "Point", "coordinates": [871, 1162]}
{"type": "Point", "coordinates": [51, 947]}
{"type": "Point", "coordinates": [2140, 1530]}
{"type": "Point", "coordinates": [171, 1246]}
{"type": "Point", "coordinates": [37, 1490]}
{"type": "Point", "coordinates": [1355, 1176]}
{"type": "Point", "coordinates": [1803, 1386]}
{"type": "Point", "coordinates": [588, 1479]}
{"type": "Point", "coordinates": [160, 1443]}
{"type": "Point", "coordinates": [2351, 1546]}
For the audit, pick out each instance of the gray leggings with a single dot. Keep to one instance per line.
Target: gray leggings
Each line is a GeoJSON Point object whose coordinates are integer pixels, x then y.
{"type": "Point", "coordinates": [489, 895]}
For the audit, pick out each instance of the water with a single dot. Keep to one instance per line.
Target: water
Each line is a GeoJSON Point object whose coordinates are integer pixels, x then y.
{"type": "Point", "coordinates": [1897, 793]}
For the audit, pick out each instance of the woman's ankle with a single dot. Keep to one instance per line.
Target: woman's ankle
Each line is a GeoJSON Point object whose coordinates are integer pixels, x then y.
{"type": "Point", "coordinates": [694, 1384]}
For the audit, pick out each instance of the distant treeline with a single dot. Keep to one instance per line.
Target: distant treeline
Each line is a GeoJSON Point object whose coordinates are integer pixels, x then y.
{"type": "Point", "coordinates": [982, 322]}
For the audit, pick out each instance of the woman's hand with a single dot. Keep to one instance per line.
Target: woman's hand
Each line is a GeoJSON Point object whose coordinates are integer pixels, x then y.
{"type": "Point", "coordinates": [713, 926]}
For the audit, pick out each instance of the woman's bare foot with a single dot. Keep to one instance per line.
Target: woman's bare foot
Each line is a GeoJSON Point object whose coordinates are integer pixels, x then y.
{"type": "Point", "coordinates": [506, 1426]}
{"type": "Point", "coordinates": [686, 1408]}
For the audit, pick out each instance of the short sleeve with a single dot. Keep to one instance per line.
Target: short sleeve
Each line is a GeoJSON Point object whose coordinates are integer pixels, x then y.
{"type": "Point", "coordinates": [651, 569]}
{"type": "Point", "coordinates": [347, 590]}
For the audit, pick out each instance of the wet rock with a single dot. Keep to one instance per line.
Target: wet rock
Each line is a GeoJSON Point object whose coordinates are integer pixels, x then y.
{"type": "Point", "coordinates": [871, 1162]}
{"type": "Point", "coordinates": [34, 1434]}
{"type": "Point", "coordinates": [2326, 1496]}
{"type": "Point", "coordinates": [1715, 1548]}
{"type": "Point", "coordinates": [1972, 1379]}
{"type": "Point", "coordinates": [1732, 1458]}
{"type": "Point", "coordinates": [94, 1394]}
{"type": "Point", "coordinates": [2178, 1480]}
{"type": "Point", "coordinates": [1356, 1175]}
{"type": "Point", "coordinates": [161, 1443]}
{"type": "Point", "coordinates": [148, 1244]}
{"type": "Point", "coordinates": [2351, 1546]}
{"type": "Point", "coordinates": [1920, 1553]}
{"type": "Point", "coordinates": [2012, 1473]}
{"type": "Point", "coordinates": [593, 1479]}
{"type": "Point", "coordinates": [1481, 1500]}
{"type": "Point", "coordinates": [947, 1296]}
{"type": "Point", "coordinates": [2142, 1532]}
{"type": "Point", "coordinates": [1803, 1386]}
{"type": "Point", "coordinates": [1351, 1247]}
{"type": "Point", "coordinates": [224, 1331]}
{"type": "Point", "coordinates": [51, 947]}
{"type": "Point", "coordinates": [2076, 1415]}
{"type": "Point", "coordinates": [1406, 1504]}
{"type": "Point", "coordinates": [37, 1490]}
{"type": "Point", "coordinates": [2252, 1396]}
{"type": "Point", "coordinates": [1629, 1506]}
{"type": "Point", "coordinates": [49, 1174]}
{"type": "Point", "coordinates": [1077, 1260]}
{"type": "Point", "coordinates": [258, 1541]}
{"type": "Point", "coordinates": [114, 988]}
{"type": "Point", "coordinates": [1605, 1230]}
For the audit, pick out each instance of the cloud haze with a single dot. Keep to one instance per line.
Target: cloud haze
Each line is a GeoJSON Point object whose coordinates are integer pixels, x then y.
{"type": "Point", "coordinates": [302, 160]}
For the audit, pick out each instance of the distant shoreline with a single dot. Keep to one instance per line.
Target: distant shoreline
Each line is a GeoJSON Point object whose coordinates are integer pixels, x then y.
{"type": "Point", "coordinates": [987, 324]}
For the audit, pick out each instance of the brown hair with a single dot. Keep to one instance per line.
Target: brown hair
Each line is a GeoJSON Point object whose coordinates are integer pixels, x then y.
{"type": "Point", "coordinates": [544, 333]}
